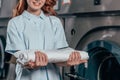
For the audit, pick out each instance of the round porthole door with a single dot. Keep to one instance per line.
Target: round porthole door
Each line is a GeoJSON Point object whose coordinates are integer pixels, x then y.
{"type": "Point", "coordinates": [1, 56]}
{"type": "Point", "coordinates": [104, 61]}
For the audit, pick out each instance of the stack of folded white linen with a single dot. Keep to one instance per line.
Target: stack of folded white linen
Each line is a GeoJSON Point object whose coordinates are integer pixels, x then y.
{"type": "Point", "coordinates": [60, 55]}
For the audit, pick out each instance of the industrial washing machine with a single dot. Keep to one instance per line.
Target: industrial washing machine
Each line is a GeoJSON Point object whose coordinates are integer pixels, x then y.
{"type": "Point", "coordinates": [93, 26]}
{"type": "Point", "coordinates": [90, 25]}
{"type": "Point", "coordinates": [6, 69]}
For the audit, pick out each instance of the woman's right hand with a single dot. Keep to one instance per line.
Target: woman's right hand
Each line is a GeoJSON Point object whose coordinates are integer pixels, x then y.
{"type": "Point", "coordinates": [41, 59]}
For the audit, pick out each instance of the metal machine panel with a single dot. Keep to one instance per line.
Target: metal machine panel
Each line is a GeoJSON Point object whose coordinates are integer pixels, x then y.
{"type": "Point", "coordinates": [76, 28]}
{"type": "Point", "coordinates": [6, 8]}
{"type": "Point", "coordinates": [83, 6]}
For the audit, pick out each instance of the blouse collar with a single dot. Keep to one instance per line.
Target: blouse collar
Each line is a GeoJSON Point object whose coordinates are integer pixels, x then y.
{"type": "Point", "coordinates": [32, 16]}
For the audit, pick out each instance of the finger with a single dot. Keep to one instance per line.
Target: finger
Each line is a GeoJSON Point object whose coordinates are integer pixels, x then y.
{"type": "Point", "coordinates": [42, 59]}
{"type": "Point", "coordinates": [73, 61]}
{"type": "Point", "coordinates": [77, 58]}
{"type": "Point", "coordinates": [32, 65]}
{"type": "Point", "coordinates": [29, 65]}
{"type": "Point", "coordinates": [69, 63]}
{"type": "Point", "coordinates": [83, 61]}
{"type": "Point", "coordinates": [36, 58]}
{"type": "Point", "coordinates": [73, 56]}
{"type": "Point", "coordinates": [46, 59]}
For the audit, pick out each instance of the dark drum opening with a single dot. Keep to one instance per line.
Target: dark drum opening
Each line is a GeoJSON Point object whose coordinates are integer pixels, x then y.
{"type": "Point", "coordinates": [103, 63]}
{"type": "Point", "coordinates": [1, 57]}
{"type": "Point", "coordinates": [109, 69]}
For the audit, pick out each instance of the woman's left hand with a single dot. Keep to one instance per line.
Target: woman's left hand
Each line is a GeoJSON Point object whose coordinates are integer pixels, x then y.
{"type": "Point", "coordinates": [41, 59]}
{"type": "Point", "coordinates": [75, 59]}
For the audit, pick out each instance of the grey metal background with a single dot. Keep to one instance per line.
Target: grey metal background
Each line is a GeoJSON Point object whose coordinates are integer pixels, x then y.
{"type": "Point", "coordinates": [81, 6]}
{"type": "Point", "coordinates": [6, 8]}
{"type": "Point", "coordinates": [77, 26]}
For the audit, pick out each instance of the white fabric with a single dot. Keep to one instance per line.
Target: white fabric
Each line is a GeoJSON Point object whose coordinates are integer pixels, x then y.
{"type": "Point", "coordinates": [54, 56]}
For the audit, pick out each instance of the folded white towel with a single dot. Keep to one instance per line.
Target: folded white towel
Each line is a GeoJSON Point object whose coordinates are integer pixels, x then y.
{"type": "Point", "coordinates": [54, 56]}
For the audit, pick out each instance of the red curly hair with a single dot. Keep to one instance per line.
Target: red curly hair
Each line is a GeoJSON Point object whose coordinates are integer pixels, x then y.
{"type": "Point", "coordinates": [47, 8]}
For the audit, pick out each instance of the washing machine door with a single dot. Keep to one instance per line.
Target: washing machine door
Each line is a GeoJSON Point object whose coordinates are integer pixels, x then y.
{"type": "Point", "coordinates": [7, 70]}
{"type": "Point", "coordinates": [104, 61]}
{"type": "Point", "coordinates": [1, 55]}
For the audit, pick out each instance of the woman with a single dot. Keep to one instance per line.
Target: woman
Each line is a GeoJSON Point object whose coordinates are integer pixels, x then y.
{"type": "Point", "coordinates": [35, 26]}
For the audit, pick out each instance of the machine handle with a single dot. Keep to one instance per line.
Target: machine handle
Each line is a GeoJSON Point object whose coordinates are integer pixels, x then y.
{"type": "Point", "coordinates": [75, 76]}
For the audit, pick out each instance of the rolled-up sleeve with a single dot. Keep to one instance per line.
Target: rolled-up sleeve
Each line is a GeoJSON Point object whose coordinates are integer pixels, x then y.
{"type": "Point", "coordinates": [60, 39]}
{"type": "Point", "coordinates": [14, 41]}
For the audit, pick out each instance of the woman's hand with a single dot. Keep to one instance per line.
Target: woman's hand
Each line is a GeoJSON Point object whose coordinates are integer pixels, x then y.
{"type": "Point", "coordinates": [75, 59]}
{"type": "Point", "coordinates": [40, 60]}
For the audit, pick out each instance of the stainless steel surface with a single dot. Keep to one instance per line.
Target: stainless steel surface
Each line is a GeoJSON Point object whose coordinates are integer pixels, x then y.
{"type": "Point", "coordinates": [3, 24]}
{"type": "Point", "coordinates": [76, 6]}
{"type": "Point", "coordinates": [82, 6]}
{"type": "Point", "coordinates": [82, 25]}
{"type": "Point", "coordinates": [86, 22]}
{"type": "Point", "coordinates": [0, 3]}
{"type": "Point", "coordinates": [76, 29]}
{"type": "Point", "coordinates": [6, 8]}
